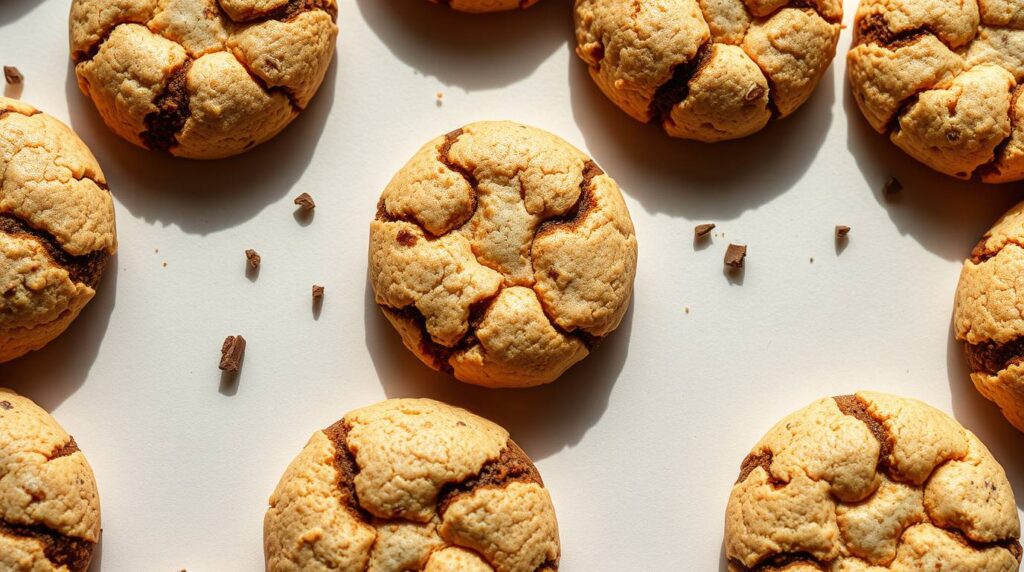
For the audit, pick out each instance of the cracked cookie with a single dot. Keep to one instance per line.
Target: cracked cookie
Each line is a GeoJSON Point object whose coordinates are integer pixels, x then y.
{"type": "Point", "coordinates": [502, 254]}
{"type": "Point", "coordinates": [708, 70]}
{"type": "Point", "coordinates": [56, 228]}
{"type": "Point", "coordinates": [871, 482]}
{"type": "Point", "coordinates": [202, 79]}
{"type": "Point", "coordinates": [49, 505]}
{"type": "Point", "coordinates": [411, 484]}
{"type": "Point", "coordinates": [478, 6]}
{"type": "Point", "coordinates": [988, 316]}
{"type": "Point", "coordinates": [942, 79]}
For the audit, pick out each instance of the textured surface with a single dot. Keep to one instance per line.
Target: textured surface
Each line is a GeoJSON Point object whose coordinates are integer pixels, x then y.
{"type": "Point", "coordinates": [871, 482]}
{"type": "Point", "coordinates": [502, 254]}
{"type": "Point", "coordinates": [479, 6]}
{"type": "Point", "coordinates": [707, 69]}
{"type": "Point", "coordinates": [941, 78]}
{"type": "Point", "coordinates": [411, 484]}
{"type": "Point", "coordinates": [49, 506]}
{"type": "Point", "coordinates": [56, 228]}
{"type": "Point", "coordinates": [202, 79]}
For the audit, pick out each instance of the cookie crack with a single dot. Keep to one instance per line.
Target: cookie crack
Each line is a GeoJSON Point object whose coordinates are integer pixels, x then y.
{"type": "Point", "coordinates": [856, 407]}
{"type": "Point", "coordinates": [1010, 544]}
{"type": "Point", "coordinates": [59, 548]}
{"type": "Point", "coordinates": [84, 269]}
{"type": "Point", "coordinates": [64, 450]}
{"type": "Point", "coordinates": [512, 466]}
{"type": "Point", "coordinates": [873, 29]}
{"type": "Point", "coordinates": [999, 153]}
{"type": "Point", "coordinates": [172, 103]}
{"type": "Point", "coordinates": [991, 358]}
{"type": "Point", "coordinates": [677, 88]}
{"type": "Point", "coordinates": [347, 469]}
{"type": "Point", "coordinates": [779, 562]}
{"type": "Point", "coordinates": [269, 90]}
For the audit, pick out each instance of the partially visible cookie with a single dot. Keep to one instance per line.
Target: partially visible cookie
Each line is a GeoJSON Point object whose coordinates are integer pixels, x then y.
{"type": "Point", "coordinates": [49, 505]}
{"type": "Point", "coordinates": [871, 482]}
{"type": "Point", "coordinates": [711, 69]}
{"type": "Point", "coordinates": [411, 484]}
{"type": "Point", "coordinates": [56, 228]}
{"type": "Point", "coordinates": [478, 6]}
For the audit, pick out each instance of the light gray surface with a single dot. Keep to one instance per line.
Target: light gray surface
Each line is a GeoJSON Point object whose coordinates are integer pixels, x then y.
{"type": "Point", "coordinates": [640, 443]}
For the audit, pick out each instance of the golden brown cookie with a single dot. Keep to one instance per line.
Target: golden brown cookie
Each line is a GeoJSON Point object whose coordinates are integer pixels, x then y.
{"type": "Point", "coordinates": [49, 505]}
{"type": "Point", "coordinates": [871, 482]}
{"type": "Point", "coordinates": [988, 315]}
{"type": "Point", "coordinates": [201, 78]}
{"type": "Point", "coordinates": [942, 79]}
{"type": "Point", "coordinates": [411, 484]}
{"type": "Point", "coordinates": [56, 228]}
{"type": "Point", "coordinates": [502, 254]}
{"type": "Point", "coordinates": [478, 6]}
{"type": "Point", "coordinates": [707, 69]}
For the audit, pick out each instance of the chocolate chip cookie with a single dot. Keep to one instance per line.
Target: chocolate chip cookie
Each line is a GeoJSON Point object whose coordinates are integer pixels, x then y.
{"type": "Point", "coordinates": [56, 228]}
{"type": "Point", "coordinates": [485, 5]}
{"type": "Point", "coordinates": [871, 482]}
{"type": "Point", "coordinates": [502, 254]}
{"type": "Point", "coordinates": [49, 505]}
{"type": "Point", "coordinates": [201, 78]}
{"type": "Point", "coordinates": [411, 484]}
{"type": "Point", "coordinates": [707, 69]}
{"type": "Point", "coordinates": [942, 78]}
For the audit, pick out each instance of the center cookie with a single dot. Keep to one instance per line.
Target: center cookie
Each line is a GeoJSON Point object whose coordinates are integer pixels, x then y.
{"type": "Point", "coordinates": [201, 78]}
{"type": "Point", "coordinates": [502, 254]}
{"type": "Point", "coordinates": [411, 484]}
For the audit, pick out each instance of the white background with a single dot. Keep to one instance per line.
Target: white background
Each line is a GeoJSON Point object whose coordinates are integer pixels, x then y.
{"type": "Point", "coordinates": [640, 443]}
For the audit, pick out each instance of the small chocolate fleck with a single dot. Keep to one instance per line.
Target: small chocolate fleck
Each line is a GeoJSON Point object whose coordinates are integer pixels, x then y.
{"type": "Point", "coordinates": [842, 230]}
{"type": "Point", "coordinates": [254, 258]}
{"type": "Point", "coordinates": [318, 292]}
{"type": "Point", "coordinates": [406, 238]}
{"type": "Point", "coordinates": [735, 255]}
{"type": "Point", "coordinates": [755, 93]}
{"type": "Point", "coordinates": [305, 201]}
{"type": "Point", "coordinates": [231, 353]}
{"type": "Point", "coordinates": [702, 230]}
{"type": "Point", "coordinates": [13, 76]}
{"type": "Point", "coordinates": [892, 186]}
{"type": "Point", "coordinates": [6, 405]}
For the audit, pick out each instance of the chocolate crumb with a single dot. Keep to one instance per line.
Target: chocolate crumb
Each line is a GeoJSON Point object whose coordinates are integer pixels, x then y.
{"type": "Point", "coordinates": [253, 258]}
{"type": "Point", "coordinates": [231, 353]}
{"type": "Point", "coordinates": [318, 292]}
{"type": "Point", "coordinates": [13, 76]}
{"type": "Point", "coordinates": [812, 260]}
{"type": "Point", "coordinates": [305, 201]}
{"type": "Point", "coordinates": [842, 230]}
{"type": "Point", "coordinates": [702, 230]}
{"type": "Point", "coordinates": [892, 186]}
{"type": "Point", "coordinates": [735, 255]}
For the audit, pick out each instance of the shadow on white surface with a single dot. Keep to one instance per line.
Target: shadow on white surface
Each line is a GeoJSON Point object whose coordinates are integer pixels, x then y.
{"type": "Point", "coordinates": [12, 10]}
{"type": "Point", "coordinates": [542, 420]}
{"type": "Point", "coordinates": [931, 205]}
{"type": "Point", "coordinates": [701, 181]}
{"type": "Point", "coordinates": [202, 197]}
{"type": "Point", "coordinates": [97, 557]}
{"type": "Point", "coordinates": [54, 373]}
{"type": "Point", "coordinates": [983, 418]}
{"type": "Point", "coordinates": [470, 51]}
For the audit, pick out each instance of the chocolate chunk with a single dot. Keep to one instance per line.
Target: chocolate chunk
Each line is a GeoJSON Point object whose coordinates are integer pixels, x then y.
{"type": "Point", "coordinates": [305, 201]}
{"type": "Point", "coordinates": [735, 255]}
{"type": "Point", "coordinates": [231, 353]}
{"type": "Point", "coordinates": [254, 258]}
{"type": "Point", "coordinates": [842, 231]}
{"type": "Point", "coordinates": [318, 292]}
{"type": "Point", "coordinates": [6, 405]}
{"type": "Point", "coordinates": [13, 76]}
{"type": "Point", "coordinates": [702, 230]}
{"type": "Point", "coordinates": [892, 186]}
{"type": "Point", "coordinates": [754, 93]}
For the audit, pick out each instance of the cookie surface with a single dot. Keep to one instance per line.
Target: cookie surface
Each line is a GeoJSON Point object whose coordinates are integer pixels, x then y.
{"type": "Point", "coordinates": [871, 482]}
{"type": "Point", "coordinates": [942, 79]}
{"type": "Point", "coordinates": [707, 69]}
{"type": "Point", "coordinates": [987, 315]}
{"type": "Point", "coordinates": [201, 79]}
{"type": "Point", "coordinates": [478, 6]}
{"type": "Point", "coordinates": [49, 505]}
{"type": "Point", "coordinates": [411, 484]}
{"type": "Point", "coordinates": [56, 228]}
{"type": "Point", "coordinates": [502, 254]}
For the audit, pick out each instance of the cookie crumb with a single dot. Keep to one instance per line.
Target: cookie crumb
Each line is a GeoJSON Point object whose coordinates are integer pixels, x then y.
{"type": "Point", "coordinates": [165, 265]}
{"type": "Point", "coordinates": [687, 309]}
{"type": "Point", "coordinates": [254, 258]}
{"type": "Point", "coordinates": [812, 260]}
{"type": "Point", "coordinates": [702, 230]}
{"type": "Point", "coordinates": [735, 255]}
{"type": "Point", "coordinates": [13, 76]}
{"type": "Point", "coordinates": [305, 201]}
{"type": "Point", "coordinates": [318, 292]}
{"type": "Point", "coordinates": [842, 230]}
{"type": "Point", "coordinates": [892, 186]}
{"type": "Point", "coordinates": [439, 95]}
{"type": "Point", "coordinates": [231, 353]}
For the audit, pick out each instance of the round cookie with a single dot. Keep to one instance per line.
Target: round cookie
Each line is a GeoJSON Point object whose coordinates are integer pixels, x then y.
{"type": "Point", "coordinates": [987, 316]}
{"type": "Point", "coordinates": [411, 484]}
{"type": "Point", "coordinates": [201, 79]}
{"type": "Point", "coordinates": [871, 482]}
{"type": "Point", "coordinates": [502, 254]}
{"type": "Point", "coordinates": [49, 505]}
{"type": "Point", "coordinates": [943, 79]}
{"type": "Point", "coordinates": [708, 70]}
{"type": "Point", "coordinates": [56, 228]}
{"type": "Point", "coordinates": [479, 6]}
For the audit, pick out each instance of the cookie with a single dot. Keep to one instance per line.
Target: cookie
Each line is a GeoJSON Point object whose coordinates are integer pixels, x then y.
{"type": "Point", "coordinates": [871, 482]}
{"type": "Point", "coordinates": [708, 70]}
{"type": "Point", "coordinates": [478, 6]}
{"type": "Point", "coordinates": [987, 316]}
{"type": "Point", "coordinates": [201, 79]}
{"type": "Point", "coordinates": [502, 254]}
{"type": "Point", "coordinates": [49, 505]}
{"type": "Point", "coordinates": [56, 228]}
{"type": "Point", "coordinates": [411, 484]}
{"type": "Point", "coordinates": [942, 79]}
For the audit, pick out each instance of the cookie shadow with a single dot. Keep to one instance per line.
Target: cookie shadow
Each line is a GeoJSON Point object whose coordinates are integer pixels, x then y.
{"type": "Point", "coordinates": [202, 197]}
{"type": "Point", "coordinates": [97, 557]}
{"type": "Point", "coordinates": [51, 375]}
{"type": "Point", "coordinates": [983, 417]}
{"type": "Point", "coordinates": [945, 215]}
{"type": "Point", "coordinates": [543, 420]}
{"type": "Point", "coordinates": [470, 51]}
{"type": "Point", "coordinates": [13, 10]}
{"type": "Point", "coordinates": [701, 181]}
